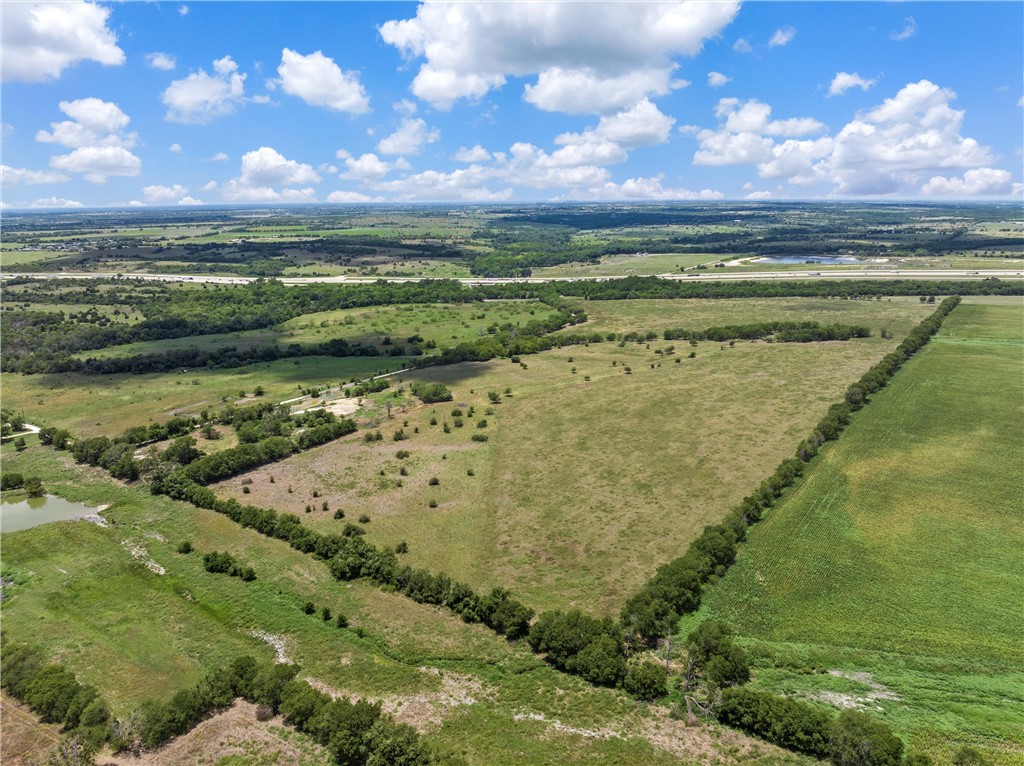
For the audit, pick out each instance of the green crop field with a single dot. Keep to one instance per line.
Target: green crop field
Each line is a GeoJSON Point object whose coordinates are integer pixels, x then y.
{"type": "Point", "coordinates": [896, 563]}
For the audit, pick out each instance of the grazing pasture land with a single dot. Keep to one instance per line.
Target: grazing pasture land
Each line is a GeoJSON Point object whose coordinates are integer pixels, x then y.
{"type": "Point", "coordinates": [590, 476]}
{"type": "Point", "coordinates": [86, 595]}
{"type": "Point", "coordinates": [897, 564]}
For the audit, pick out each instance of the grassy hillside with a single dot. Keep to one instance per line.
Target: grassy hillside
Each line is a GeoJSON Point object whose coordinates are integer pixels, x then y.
{"type": "Point", "coordinates": [899, 555]}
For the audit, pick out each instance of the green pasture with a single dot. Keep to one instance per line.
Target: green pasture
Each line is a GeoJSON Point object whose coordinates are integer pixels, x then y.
{"type": "Point", "coordinates": [899, 556]}
{"type": "Point", "coordinates": [81, 595]}
{"type": "Point", "coordinates": [656, 454]}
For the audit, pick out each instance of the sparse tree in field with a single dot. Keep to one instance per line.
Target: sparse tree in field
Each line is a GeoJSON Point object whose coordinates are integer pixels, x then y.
{"type": "Point", "coordinates": [309, 607]}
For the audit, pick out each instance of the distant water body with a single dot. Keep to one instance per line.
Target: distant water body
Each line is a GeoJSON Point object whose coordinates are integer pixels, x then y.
{"type": "Point", "coordinates": [19, 512]}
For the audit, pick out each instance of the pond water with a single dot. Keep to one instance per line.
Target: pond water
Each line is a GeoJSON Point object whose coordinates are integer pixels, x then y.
{"type": "Point", "coordinates": [19, 512]}
{"type": "Point", "coordinates": [823, 259]}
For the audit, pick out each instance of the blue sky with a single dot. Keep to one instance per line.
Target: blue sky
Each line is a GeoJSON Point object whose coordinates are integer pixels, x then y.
{"type": "Point", "coordinates": [239, 102]}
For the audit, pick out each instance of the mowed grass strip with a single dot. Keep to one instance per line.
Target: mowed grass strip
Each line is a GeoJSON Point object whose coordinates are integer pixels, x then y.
{"type": "Point", "coordinates": [900, 553]}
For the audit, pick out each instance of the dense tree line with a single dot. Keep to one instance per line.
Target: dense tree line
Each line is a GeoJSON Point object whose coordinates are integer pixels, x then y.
{"type": "Point", "coordinates": [355, 733]}
{"type": "Point", "coordinates": [783, 332]}
{"type": "Point", "coordinates": [654, 288]}
{"type": "Point", "coordinates": [53, 693]}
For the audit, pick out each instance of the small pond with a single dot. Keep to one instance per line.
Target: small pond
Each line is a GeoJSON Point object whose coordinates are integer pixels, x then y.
{"type": "Point", "coordinates": [18, 512]}
{"type": "Point", "coordinates": [822, 259]}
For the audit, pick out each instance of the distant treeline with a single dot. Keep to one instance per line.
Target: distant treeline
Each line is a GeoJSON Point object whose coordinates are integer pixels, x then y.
{"type": "Point", "coordinates": [41, 341]}
{"type": "Point", "coordinates": [32, 340]}
{"type": "Point", "coordinates": [654, 287]}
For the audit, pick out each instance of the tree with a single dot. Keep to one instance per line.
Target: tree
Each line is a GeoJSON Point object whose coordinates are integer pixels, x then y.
{"type": "Point", "coordinates": [392, 744]}
{"type": "Point", "coordinates": [646, 680]}
{"type": "Point", "coordinates": [858, 739]}
{"type": "Point", "coordinates": [34, 487]}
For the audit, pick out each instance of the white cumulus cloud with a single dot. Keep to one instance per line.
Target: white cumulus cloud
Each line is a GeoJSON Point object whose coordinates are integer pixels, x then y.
{"type": "Point", "coordinates": [41, 39]}
{"type": "Point", "coordinates": [717, 79]}
{"type": "Point", "coordinates": [95, 163]}
{"type": "Point", "coordinates": [201, 97]}
{"type": "Point", "coordinates": [56, 202]}
{"type": "Point", "coordinates": [163, 193]}
{"type": "Point", "coordinates": [93, 122]}
{"type": "Point", "coordinates": [368, 167]}
{"type": "Point", "coordinates": [268, 166]}
{"type": "Point", "coordinates": [97, 135]}
{"type": "Point", "coordinates": [475, 154]}
{"type": "Point", "coordinates": [318, 81]}
{"type": "Point", "coordinates": [10, 176]}
{"type": "Point", "coordinates": [410, 137]}
{"type": "Point", "coordinates": [164, 61]}
{"type": "Point", "coordinates": [641, 189]}
{"type": "Point", "coordinates": [350, 196]}
{"type": "Point", "coordinates": [783, 36]}
{"type": "Point", "coordinates": [908, 31]}
{"type": "Point", "coordinates": [975, 182]}
{"type": "Point", "coordinates": [470, 48]}
{"type": "Point", "coordinates": [843, 81]}
{"type": "Point", "coordinates": [579, 91]}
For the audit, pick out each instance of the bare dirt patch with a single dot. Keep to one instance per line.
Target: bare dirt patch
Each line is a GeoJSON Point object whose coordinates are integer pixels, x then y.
{"type": "Point", "coordinates": [26, 740]}
{"type": "Point", "coordinates": [426, 711]}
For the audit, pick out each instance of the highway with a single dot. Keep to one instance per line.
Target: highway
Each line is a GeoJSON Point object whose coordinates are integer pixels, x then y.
{"type": "Point", "coordinates": [689, 276]}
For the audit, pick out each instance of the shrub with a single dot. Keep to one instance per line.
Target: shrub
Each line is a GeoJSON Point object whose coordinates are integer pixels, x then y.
{"type": "Point", "coordinates": [479, 438]}
{"type": "Point", "coordinates": [858, 739]}
{"type": "Point", "coordinates": [429, 393]}
{"type": "Point", "coordinates": [646, 680]}
{"type": "Point", "coordinates": [364, 519]}
{"type": "Point", "coordinates": [185, 547]}
{"type": "Point", "coordinates": [309, 607]}
{"type": "Point", "coordinates": [434, 481]}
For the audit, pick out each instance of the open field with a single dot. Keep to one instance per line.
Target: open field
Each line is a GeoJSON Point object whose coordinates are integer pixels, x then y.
{"type": "Point", "coordinates": [898, 555]}
{"type": "Point", "coordinates": [897, 314]}
{"type": "Point", "coordinates": [90, 405]}
{"type": "Point", "coordinates": [444, 324]}
{"type": "Point", "coordinates": [657, 454]}
{"type": "Point", "coordinates": [86, 596]}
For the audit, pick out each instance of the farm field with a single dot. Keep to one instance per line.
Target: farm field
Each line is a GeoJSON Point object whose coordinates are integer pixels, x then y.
{"type": "Point", "coordinates": [891, 565]}
{"type": "Point", "coordinates": [445, 325]}
{"type": "Point", "coordinates": [658, 453]}
{"type": "Point", "coordinates": [86, 594]}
